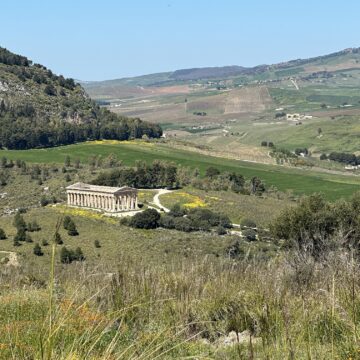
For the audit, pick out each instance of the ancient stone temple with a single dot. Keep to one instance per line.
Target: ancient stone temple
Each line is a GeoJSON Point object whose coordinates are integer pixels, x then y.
{"type": "Point", "coordinates": [107, 198]}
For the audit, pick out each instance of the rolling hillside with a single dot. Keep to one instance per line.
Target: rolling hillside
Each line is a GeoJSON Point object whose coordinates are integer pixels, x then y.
{"type": "Point", "coordinates": [41, 109]}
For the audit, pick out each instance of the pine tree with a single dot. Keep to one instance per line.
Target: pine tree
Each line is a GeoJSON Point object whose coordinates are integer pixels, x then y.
{"type": "Point", "coordinates": [19, 222]}
{"type": "Point", "coordinates": [67, 220]}
{"type": "Point", "coordinates": [16, 242]}
{"type": "Point", "coordinates": [58, 239]}
{"type": "Point", "coordinates": [65, 256]}
{"type": "Point", "coordinates": [72, 231]}
{"type": "Point", "coordinates": [37, 250]}
{"type": "Point", "coordinates": [67, 161]}
{"type": "Point", "coordinates": [28, 238]}
{"type": "Point", "coordinates": [2, 234]}
{"type": "Point", "coordinates": [20, 235]}
{"type": "Point", "coordinates": [78, 255]}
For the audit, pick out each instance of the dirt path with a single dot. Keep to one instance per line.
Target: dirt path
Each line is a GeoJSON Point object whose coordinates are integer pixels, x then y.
{"type": "Point", "coordinates": [295, 84]}
{"type": "Point", "coordinates": [12, 256]}
{"type": "Point", "coordinates": [156, 199]}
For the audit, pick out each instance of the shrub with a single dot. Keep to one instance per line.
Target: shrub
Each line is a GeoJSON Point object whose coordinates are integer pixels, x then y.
{"type": "Point", "coordinates": [148, 219]}
{"type": "Point", "coordinates": [37, 250]}
{"type": "Point", "coordinates": [50, 90]}
{"type": "Point", "coordinates": [125, 221]}
{"type": "Point", "coordinates": [183, 224]}
{"type": "Point", "coordinates": [97, 244]}
{"type": "Point", "coordinates": [19, 222]}
{"type": "Point", "coordinates": [44, 243]}
{"type": "Point", "coordinates": [20, 235]}
{"type": "Point", "coordinates": [28, 238]}
{"type": "Point", "coordinates": [67, 256]}
{"type": "Point", "coordinates": [211, 172]}
{"type": "Point", "coordinates": [2, 234]}
{"type": "Point", "coordinates": [72, 231]}
{"type": "Point", "coordinates": [167, 222]}
{"type": "Point", "coordinates": [67, 220]}
{"type": "Point", "coordinates": [177, 211]}
{"type": "Point", "coordinates": [250, 234]}
{"type": "Point", "coordinates": [247, 223]}
{"type": "Point", "coordinates": [44, 201]}
{"type": "Point", "coordinates": [57, 238]}
{"type": "Point", "coordinates": [221, 230]}
{"type": "Point", "coordinates": [33, 226]}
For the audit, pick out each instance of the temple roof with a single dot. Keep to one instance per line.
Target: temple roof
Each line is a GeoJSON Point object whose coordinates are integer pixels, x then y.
{"type": "Point", "coordinates": [80, 186]}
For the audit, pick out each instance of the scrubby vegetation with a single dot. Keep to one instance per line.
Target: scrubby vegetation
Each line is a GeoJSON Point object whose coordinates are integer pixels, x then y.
{"type": "Point", "coordinates": [165, 174]}
{"type": "Point", "coordinates": [179, 218]}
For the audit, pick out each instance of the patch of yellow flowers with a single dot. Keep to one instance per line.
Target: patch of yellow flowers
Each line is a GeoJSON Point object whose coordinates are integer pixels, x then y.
{"type": "Point", "coordinates": [84, 213]}
{"type": "Point", "coordinates": [187, 200]}
{"type": "Point", "coordinates": [120, 142]}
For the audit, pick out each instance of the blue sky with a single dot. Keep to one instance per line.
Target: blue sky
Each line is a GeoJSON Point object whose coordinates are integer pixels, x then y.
{"type": "Point", "coordinates": [97, 40]}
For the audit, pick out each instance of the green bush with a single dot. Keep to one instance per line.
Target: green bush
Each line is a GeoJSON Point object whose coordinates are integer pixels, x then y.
{"type": "Point", "coordinates": [250, 234]}
{"type": "Point", "coordinates": [183, 224]}
{"type": "Point", "coordinates": [37, 250]}
{"type": "Point", "coordinates": [67, 256]}
{"type": "Point", "coordinates": [2, 234]}
{"type": "Point", "coordinates": [57, 238]}
{"type": "Point", "coordinates": [20, 235]}
{"type": "Point", "coordinates": [148, 219]}
{"type": "Point", "coordinates": [247, 223]}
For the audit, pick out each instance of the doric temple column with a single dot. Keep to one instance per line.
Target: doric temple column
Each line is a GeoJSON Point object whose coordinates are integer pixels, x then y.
{"type": "Point", "coordinates": [136, 202]}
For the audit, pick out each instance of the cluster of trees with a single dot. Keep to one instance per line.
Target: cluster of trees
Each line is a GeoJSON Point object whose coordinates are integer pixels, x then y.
{"type": "Point", "coordinates": [23, 229]}
{"type": "Point", "coordinates": [70, 226]}
{"type": "Point", "coordinates": [299, 151]}
{"type": "Point", "coordinates": [165, 174]}
{"type": "Point", "coordinates": [346, 158]}
{"type": "Point", "coordinates": [67, 256]}
{"type": "Point", "coordinates": [155, 175]}
{"type": "Point", "coordinates": [22, 128]}
{"type": "Point", "coordinates": [8, 58]}
{"type": "Point", "coordinates": [316, 226]}
{"type": "Point", "coordinates": [181, 219]}
{"type": "Point", "coordinates": [216, 180]}
{"type": "Point", "coordinates": [280, 115]}
{"type": "Point", "coordinates": [66, 117]}
{"type": "Point", "coordinates": [267, 143]}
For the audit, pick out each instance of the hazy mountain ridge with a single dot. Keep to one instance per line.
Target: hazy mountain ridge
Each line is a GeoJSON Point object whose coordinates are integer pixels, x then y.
{"type": "Point", "coordinates": [226, 72]}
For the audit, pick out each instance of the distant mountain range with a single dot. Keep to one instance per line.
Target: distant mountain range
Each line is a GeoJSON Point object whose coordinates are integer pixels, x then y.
{"type": "Point", "coordinates": [344, 59]}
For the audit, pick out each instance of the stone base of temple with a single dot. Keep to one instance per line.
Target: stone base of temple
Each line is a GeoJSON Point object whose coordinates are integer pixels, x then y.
{"type": "Point", "coordinates": [109, 213]}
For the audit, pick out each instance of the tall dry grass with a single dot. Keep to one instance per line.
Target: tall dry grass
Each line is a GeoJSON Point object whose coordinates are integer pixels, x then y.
{"type": "Point", "coordinates": [293, 307]}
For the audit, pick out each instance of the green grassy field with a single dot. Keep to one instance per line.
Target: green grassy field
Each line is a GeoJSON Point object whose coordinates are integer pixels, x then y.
{"type": "Point", "coordinates": [300, 181]}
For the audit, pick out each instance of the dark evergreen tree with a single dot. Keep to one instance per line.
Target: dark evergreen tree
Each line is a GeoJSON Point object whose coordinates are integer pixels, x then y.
{"type": "Point", "coordinates": [37, 250]}
{"type": "Point", "coordinates": [2, 234]}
